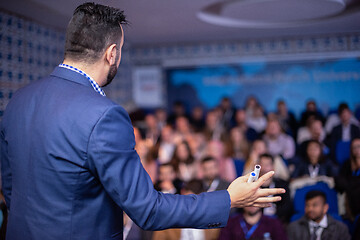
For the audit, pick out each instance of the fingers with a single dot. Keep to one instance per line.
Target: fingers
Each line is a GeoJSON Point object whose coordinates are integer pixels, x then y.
{"type": "Point", "coordinates": [268, 199]}
{"type": "Point", "coordinates": [264, 178]}
{"type": "Point", "coordinates": [262, 205]}
{"type": "Point", "coordinates": [264, 192]}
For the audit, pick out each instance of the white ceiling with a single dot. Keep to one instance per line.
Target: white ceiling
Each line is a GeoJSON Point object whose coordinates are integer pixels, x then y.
{"type": "Point", "coordinates": [171, 21]}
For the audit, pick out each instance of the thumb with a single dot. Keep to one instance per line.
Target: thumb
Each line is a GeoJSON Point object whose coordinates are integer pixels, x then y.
{"type": "Point", "coordinates": [264, 178]}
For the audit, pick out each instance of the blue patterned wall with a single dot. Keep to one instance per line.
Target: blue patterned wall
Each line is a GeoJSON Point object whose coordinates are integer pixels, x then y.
{"type": "Point", "coordinates": [30, 51]}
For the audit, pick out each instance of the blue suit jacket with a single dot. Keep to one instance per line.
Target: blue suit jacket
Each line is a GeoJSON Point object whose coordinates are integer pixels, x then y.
{"type": "Point", "coordinates": [69, 168]}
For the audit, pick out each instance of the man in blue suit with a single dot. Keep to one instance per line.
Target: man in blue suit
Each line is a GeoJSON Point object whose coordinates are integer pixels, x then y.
{"type": "Point", "coordinates": [68, 162]}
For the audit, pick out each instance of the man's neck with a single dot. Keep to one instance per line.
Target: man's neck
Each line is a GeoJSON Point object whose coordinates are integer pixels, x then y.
{"type": "Point", "coordinates": [252, 219]}
{"type": "Point", "coordinates": [90, 69]}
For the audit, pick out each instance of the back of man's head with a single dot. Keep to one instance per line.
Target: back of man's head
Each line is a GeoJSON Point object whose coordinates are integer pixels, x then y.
{"type": "Point", "coordinates": [93, 28]}
{"type": "Point", "coordinates": [194, 186]}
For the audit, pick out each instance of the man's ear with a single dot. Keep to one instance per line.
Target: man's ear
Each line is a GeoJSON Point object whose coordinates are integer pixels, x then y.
{"type": "Point", "coordinates": [110, 54]}
{"type": "Point", "coordinates": [326, 208]}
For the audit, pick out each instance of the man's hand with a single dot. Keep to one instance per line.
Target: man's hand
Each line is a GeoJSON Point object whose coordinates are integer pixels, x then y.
{"type": "Point", "coordinates": [244, 194]}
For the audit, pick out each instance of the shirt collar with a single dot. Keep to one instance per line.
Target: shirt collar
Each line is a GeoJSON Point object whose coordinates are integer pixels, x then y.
{"type": "Point", "coordinates": [94, 84]}
{"type": "Point", "coordinates": [323, 223]}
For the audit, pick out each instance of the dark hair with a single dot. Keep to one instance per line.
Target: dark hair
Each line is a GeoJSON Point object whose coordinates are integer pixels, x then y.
{"type": "Point", "coordinates": [352, 156]}
{"type": "Point", "coordinates": [167, 165]}
{"type": "Point", "coordinates": [175, 159]}
{"type": "Point", "coordinates": [196, 186]}
{"type": "Point", "coordinates": [321, 156]}
{"type": "Point", "coordinates": [315, 193]}
{"type": "Point", "coordinates": [207, 159]}
{"type": "Point", "coordinates": [92, 29]}
{"type": "Point", "coordinates": [342, 107]}
{"type": "Point", "coordinates": [267, 155]}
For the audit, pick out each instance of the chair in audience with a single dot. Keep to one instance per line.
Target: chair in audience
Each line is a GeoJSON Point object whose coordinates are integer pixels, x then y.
{"type": "Point", "coordinates": [299, 200]}
{"type": "Point", "coordinates": [342, 151]}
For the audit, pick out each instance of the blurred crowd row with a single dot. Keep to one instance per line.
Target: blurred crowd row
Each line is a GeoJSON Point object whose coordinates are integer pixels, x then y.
{"type": "Point", "coordinates": [203, 151]}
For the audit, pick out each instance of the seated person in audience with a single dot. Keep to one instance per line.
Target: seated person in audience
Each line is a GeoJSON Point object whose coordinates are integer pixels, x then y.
{"type": "Point", "coordinates": [240, 120]}
{"type": "Point", "coordinates": [167, 180]}
{"type": "Point", "coordinates": [197, 119]}
{"type": "Point", "coordinates": [311, 110]}
{"type": "Point", "coordinates": [286, 118]}
{"type": "Point", "coordinates": [257, 119]}
{"type": "Point", "coordinates": [211, 179]}
{"type": "Point", "coordinates": [345, 131]}
{"type": "Point", "coordinates": [283, 209]}
{"type": "Point", "coordinates": [259, 147]}
{"type": "Point", "coordinates": [152, 130]}
{"type": "Point", "coordinates": [161, 117]}
{"type": "Point", "coordinates": [277, 142]}
{"type": "Point", "coordinates": [334, 120]}
{"type": "Point", "coordinates": [227, 113]}
{"type": "Point", "coordinates": [314, 131]}
{"type": "Point", "coordinates": [251, 223]}
{"type": "Point", "coordinates": [237, 148]}
{"type": "Point", "coordinates": [317, 224]}
{"type": "Point", "coordinates": [227, 170]}
{"type": "Point", "coordinates": [184, 162]}
{"type": "Point", "coordinates": [192, 187]}
{"type": "Point", "coordinates": [183, 130]}
{"type": "Point", "coordinates": [166, 144]}
{"type": "Point", "coordinates": [314, 163]}
{"type": "Point", "coordinates": [178, 110]}
{"type": "Point", "coordinates": [214, 130]}
{"type": "Point", "coordinates": [348, 180]}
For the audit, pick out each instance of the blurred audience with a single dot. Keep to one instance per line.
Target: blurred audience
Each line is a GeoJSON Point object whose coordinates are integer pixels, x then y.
{"type": "Point", "coordinates": [192, 187]}
{"type": "Point", "coordinates": [215, 146]}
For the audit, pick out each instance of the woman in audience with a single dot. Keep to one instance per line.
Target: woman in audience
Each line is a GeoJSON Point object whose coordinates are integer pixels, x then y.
{"type": "Point", "coordinates": [184, 163]}
{"type": "Point", "coordinates": [314, 163]}
{"type": "Point", "coordinates": [259, 147]}
{"type": "Point", "coordinates": [216, 149]}
{"type": "Point", "coordinates": [237, 148]}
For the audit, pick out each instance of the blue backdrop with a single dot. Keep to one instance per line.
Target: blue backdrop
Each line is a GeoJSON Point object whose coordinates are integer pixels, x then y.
{"type": "Point", "coordinates": [328, 82]}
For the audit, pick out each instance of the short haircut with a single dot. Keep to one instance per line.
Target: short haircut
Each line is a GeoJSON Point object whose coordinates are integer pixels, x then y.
{"type": "Point", "coordinates": [315, 193]}
{"type": "Point", "coordinates": [342, 107]}
{"type": "Point", "coordinates": [91, 30]}
{"type": "Point", "coordinates": [207, 159]}
{"type": "Point", "coordinates": [167, 165]}
{"type": "Point", "coordinates": [195, 185]}
{"type": "Point", "coordinates": [267, 155]}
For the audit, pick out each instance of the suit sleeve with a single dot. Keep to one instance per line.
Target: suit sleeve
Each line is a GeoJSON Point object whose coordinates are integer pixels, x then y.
{"type": "Point", "coordinates": [114, 161]}
{"type": "Point", "coordinates": [6, 176]}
